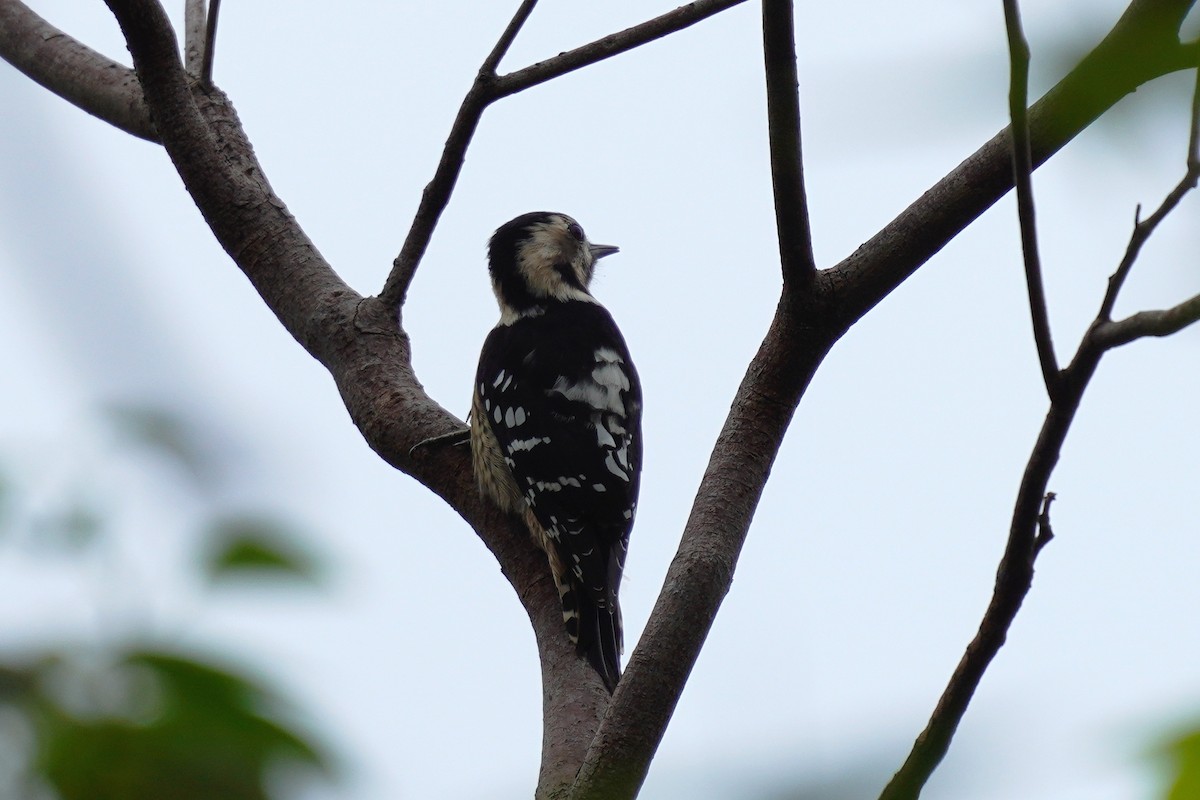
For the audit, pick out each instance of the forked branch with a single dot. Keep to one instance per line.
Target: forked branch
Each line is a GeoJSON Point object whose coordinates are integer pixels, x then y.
{"type": "Point", "coordinates": [489, 87]}
{"type": "Point", "coordinates": [73, 71]}
{"type": "Point", "coordinates": [1030, 527]}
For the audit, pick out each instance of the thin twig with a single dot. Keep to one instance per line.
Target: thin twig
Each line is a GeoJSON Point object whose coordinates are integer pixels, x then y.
{"type": "Point", "coordinates": [1162, 322]}
{"type": "Point", "coordinates": [487, 88]}
{"type": "Point", "coordinates": [210, 43]}
{"type": "Point", "coordinates": [1142, 228]}
{"type": "Point", "coordinates": [792, 221]}
{"type": "Point", "coordinates": [671, 22]}
{"type": "Point", "coordinates": [437, 192]}
{"type": "Point", "coordinates": [193, 36]}
{"type": "Point", "coordinates": [1030, 528]}
{"type": "Point", "coordinates": [1143, 44]}
{"type": "Point", "coordinates": [492, 62]}
{"type": "Point", "coordinates": [1018, 101]}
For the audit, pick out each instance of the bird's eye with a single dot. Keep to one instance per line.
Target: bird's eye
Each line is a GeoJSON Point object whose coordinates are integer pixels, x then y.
{"type": "Point", "coordinates": [575, 231]}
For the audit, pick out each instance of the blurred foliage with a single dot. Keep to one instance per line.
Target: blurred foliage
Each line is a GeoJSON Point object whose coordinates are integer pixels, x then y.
{"type": "Point", "coordinates": [159, 430]}
{"type": "Point", "coordinates": [1182, 752]}
{"type": "Point", "coordinates": [72, 527]}
{"type": "Point", "coordinates": [5, 502]}
{"type": "Point", "coordinates": [148, 725]}
{"type": "Point", "coordinates": [244, 546]}
{"type": "Point", "coordinates": [101, 719]}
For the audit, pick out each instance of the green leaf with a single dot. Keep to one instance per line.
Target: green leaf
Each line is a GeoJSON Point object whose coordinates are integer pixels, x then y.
{"type": "Point", "coordinates": [1184, 752]}
{"type": "Point", "coordinates": [211, 732]}
{"type": "Point", "coordinates": [246, 546]}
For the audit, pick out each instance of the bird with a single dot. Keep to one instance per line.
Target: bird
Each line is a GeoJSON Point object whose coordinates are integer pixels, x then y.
{"type": "Point", "coordinates": [556, 422]}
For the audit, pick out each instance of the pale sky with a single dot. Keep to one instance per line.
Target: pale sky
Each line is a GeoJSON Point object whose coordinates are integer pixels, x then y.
{"type": "Point", "coordinates": [873, 553]}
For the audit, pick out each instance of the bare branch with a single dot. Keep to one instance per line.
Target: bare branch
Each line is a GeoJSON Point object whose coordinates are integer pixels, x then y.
{"type": "Point", "coordinates": [1142, 229]}
{"type": "Point", "coordinates": [783, 122]}
{"type": "Point", "coordinates": [1106, 334]}
{"type": "Point", "coordinates": [488, 88]}
{"type": "Point", "coordinates": [1147, 323]}
{"type": "Point", "coordinates": [194, 13]}
{"type": "Point", "coordinates": [492, 62]}
{"type": "Point", "coordinates": [614, 44]}
{"type": "Point", "coordinates": [702, 571]}
{"type": "Point", "coordinates": [1143, 45]}
{"type": "Point", "coordinates": [437, 192]}
{"type": "Point", "coordinates": [1028, 533]}
{"type": "Point", "coordinates": [1030, 530]}
{"type": "Point", "coordinates": [210, 43]}
{"type": "Point", "coordinates": [1018, 98]}
{"type": "Point", "coordinates": [73, 71]}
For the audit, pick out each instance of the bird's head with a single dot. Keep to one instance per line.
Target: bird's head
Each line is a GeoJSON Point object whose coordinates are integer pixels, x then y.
{"type": "Point", "coordinates": [541, 258]}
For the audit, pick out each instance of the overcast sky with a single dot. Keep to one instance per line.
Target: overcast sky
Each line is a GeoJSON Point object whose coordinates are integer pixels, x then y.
{"type": "Point", "coordinates": [873, 552]}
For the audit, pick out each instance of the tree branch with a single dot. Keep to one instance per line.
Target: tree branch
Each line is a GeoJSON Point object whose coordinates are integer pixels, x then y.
{"type": "Point", "coordinates": [702, 571]}
{"type": "Point", "coordinates": [1143, 45]}
{"type": "Point", "coordinates": [783, 123]}
{"type": "Point", "coordinates": [1147, 323]}
{"type": "Point", "coordinates": [210, 43]}
{"type": "Point", "coordinates": [437, 192]}
{"type": "Point", "coordinates": [1030, 530]}
{"type": "Point", "coordinates": [194, 13]}
{"type": "Point", "coordinates": [1018, 96]}
{"type": "Point", "coordinates": [614, 44]}
{"type": "Point", "coordinates": [487, 88]}
{"type": "Point", "coordinates": [73, 71]}
{"type": "Point", "coordinates": [1142, 229]}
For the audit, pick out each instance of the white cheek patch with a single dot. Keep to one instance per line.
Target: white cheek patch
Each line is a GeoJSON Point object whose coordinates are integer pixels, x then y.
{"type": "Point", "coordinates": [540, 257]}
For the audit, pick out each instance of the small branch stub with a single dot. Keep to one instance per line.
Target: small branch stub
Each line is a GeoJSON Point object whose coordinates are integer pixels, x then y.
{"type": "Point", "coordinates": [1045, 532]}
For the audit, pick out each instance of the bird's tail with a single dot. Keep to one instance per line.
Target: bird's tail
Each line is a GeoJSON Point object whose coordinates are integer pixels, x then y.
{"type": "Point", "coordinates": [596, 631]}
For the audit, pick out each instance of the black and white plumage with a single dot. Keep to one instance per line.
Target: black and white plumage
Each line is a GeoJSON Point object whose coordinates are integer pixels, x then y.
{"type": "Point", "coordinates": [556, 422]}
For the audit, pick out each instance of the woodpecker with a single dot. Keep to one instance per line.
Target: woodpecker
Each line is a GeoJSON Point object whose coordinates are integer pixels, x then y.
{"type": "Point", "coordinates": [556, 422]}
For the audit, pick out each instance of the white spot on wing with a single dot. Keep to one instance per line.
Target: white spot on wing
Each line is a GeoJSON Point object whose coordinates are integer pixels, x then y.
{"type": "Point", "coordinates": [526, 444]}
{"type": "Point", "coordinates": [614, 469]}
{"type": "Point", "coordinates": [604, 438]}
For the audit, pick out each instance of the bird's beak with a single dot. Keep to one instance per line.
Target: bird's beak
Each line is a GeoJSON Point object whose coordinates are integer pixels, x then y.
{"type": "Point", "coordinates": [599, 251]}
